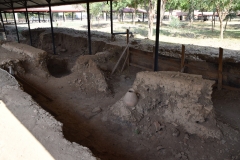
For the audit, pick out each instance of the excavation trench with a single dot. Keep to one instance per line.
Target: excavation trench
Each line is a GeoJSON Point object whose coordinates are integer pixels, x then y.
{"type": "Point", "coordinates": [74, 109]}
{"type": "Point", "coordinates": [174, 113]}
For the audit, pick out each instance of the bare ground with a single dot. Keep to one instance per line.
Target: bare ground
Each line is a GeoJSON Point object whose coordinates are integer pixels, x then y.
{"type": "Point", "coordinates": [87, 118]}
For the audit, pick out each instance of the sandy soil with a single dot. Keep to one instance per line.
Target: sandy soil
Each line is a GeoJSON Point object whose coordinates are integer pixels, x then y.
{"type": "Point", "coordinates": [83, 95]}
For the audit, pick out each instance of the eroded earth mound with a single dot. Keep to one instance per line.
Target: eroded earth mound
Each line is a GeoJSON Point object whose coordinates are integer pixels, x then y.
{"type": "Point", "coordinates": [179, 98]}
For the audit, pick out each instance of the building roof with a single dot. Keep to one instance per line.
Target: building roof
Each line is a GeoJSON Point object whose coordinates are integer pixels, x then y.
{"type": "Point", "coordinates": [63, 8]}
{"type": "Point", "coordinates": [7, 4]}
{"type": "Point", "coordinates": [131, 10]}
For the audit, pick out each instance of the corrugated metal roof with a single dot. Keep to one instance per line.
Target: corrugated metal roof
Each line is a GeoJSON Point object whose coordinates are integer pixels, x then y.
{"type": "Point", "coordinates": [7, 4]}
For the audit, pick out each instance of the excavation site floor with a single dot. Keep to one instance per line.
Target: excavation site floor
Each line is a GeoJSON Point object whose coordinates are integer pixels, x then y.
{"type": "Point", "coordinates": [80, 92]}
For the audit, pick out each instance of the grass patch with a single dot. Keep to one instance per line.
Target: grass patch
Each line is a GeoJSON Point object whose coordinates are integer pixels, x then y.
{"type": "Point", "coordinates": [198, 30]}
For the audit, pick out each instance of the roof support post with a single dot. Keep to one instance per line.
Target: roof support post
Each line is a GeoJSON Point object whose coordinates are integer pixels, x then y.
{"type": "Point", "coordinates": [89, 30]}
{"type": "Point", "coordinates": [81, 16]}
{"type": "Point", "coordinates": [72, 16]}
{"type": "Point", "coordinates": [63, 17]}
{"type": "Point", "coordinates": [27, 19]}
{"type": "Point", "coordinates": [111, 17]}
{"type": "Point", "coordinates": [143, 16]}
{"type": "Point", "coordinates": [43, 17]}
{"type": "Point", "coordinates": [25, 16]}
{"type": "Point", "coordinates": [132, 16]}
{"type": "Point", "coordinates": [39, 20]}
{"type": "Point", "coordinates": [3, 24]}
{"type": "Point", "coordinates": [122, 15]}
{"type": "Point", "coordinates": [157, 36]}
{"type": "Point", "coordinates": [5, 17]}
{"type": "Point", "coordinates": [15, 21]}
{"type": "Point", "coordinates": [50, 14]}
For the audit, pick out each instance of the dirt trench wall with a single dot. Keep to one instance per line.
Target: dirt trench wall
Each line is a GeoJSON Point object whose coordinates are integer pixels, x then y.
{"type": "Point", "coordinates": [62, 41]}
{"type": "Point", "coordinates": [207, 68]}
{"type": "Point", "coordinates": [41, 125]}
{"type": "Point", "coordinates": [76, 41]}
{"type": "Point", "coordinates": [179, 98]}
{"type": "Point", "coordinates": [69, 40]}
{"type": "Point", "coordinates": [36, 54]}
{"type": "Point", "coordinates": [34, 58]}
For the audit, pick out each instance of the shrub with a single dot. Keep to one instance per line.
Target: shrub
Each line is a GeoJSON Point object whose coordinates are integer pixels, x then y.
{"type": "Point", "coordinates": [174, 22]}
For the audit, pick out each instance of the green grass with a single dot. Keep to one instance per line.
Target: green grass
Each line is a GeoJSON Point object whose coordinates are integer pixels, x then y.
{"type": "Point", "coordinates": [198, 30]}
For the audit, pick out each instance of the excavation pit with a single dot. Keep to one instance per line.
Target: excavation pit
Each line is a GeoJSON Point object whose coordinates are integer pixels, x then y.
{"type": "Point", "coordinates": [81, 103]}
{"type": "Point", "coordinates": [58, 67]}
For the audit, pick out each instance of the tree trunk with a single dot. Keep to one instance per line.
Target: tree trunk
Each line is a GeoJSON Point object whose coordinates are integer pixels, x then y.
{"type": "Point", "coordinates": [190, 14]}
{"type": "Point", "coordinates": [212, 21]}
{"type": "Point", "coordinates": [119, 17]}
{"type": "Point", "coordinates": [162, 11]}
{"type": "Point", "coordinates": [225, 28]}
{"type": "Point", "coordinates": [134, 13]}
{"type": "Point", "coordinates": [222, 16]}
{"type": "Point", "coordinates": [202, 17]}
{"type": "Point", "coordinates": [221, 29]}
{"type": "Point", "coordinates": [150, 19]}
{"type": "Point", "coordinates": [214, 18]}
{"type": "Point", "coordinates": [170, 14]}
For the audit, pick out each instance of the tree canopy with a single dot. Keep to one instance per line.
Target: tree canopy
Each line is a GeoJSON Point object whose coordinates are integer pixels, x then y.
{"type": "Point", "coordinates": [222, 7]}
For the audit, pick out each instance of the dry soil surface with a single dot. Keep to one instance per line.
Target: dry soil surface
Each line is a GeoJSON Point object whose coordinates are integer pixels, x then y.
{"type": "Point", "coordinates": [82, 99]}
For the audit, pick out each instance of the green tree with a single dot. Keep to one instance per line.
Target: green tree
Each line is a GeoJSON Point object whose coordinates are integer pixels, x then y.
{"type": "Point", "coordinates": [189, 5]}
{"type": "Point", "coordinates": [162, 10]}
{"type": "Point", "coordinates": [232, 13]}
{"type": "Point", "coordinates": [223, 8]}
{"type": "Point", "coordinates": [172, 5]}
{"type": "Point", "coordinates": [118, 5]}
{"type": "Point", "coordinates": [151, 12]}
{"type": "Point", "coordinates": [96, 8]}
{"type": "Point", "coordinates": [130, 3]}
{"type": "Point", "coordinates": [203, 6]}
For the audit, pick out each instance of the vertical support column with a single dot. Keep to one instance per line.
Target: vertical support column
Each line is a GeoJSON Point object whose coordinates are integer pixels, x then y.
{"type": "Point", "coordinates": [6, 17]}
{"type": "Point", "coordinates": [122, 15]}
{"type": "Point", "coordinates": [81, 16]}
{"type": "Point", "coordinates": [43, 17]}
{"type": "Point", "coordinates": [15, 22]}
{"type": "Point", "coordinates": [132, 17]}
{"type": "Point", "coordinates": [3, 26]}
{"type": "Point", "coordinates": [63, 17]}
{"type": "Point", "coordinates": [143, 16]}
{"type": "Point", "coordinates": [52, 17]}
{"type": "Point", "coordinates": [111, 17]}
{"type": "Point", "coordinates": [220, 68]}
{"type": "Point", "coordinates": [50, 14]}
{"type": "Point", "coordinates": [27, 18]}
{"type": "Point", "coordinates": [182, 59]}
{"type": "Point", "coordinates": [72, 16]}
{"type": "Point", "coordinates": [89, 31]}
{"type": "Point", "coordinates": [157, 36]}
{"type": "Point", "coordinates": [39, 20]}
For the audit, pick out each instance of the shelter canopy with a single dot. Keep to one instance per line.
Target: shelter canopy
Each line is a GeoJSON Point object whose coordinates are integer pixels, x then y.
{"type": "Point", "coordinates": [63, 8]}
{"type": "Point", "coordinates": [131, 10]}
{"type": "Point", "coordinates": [7, 4]}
